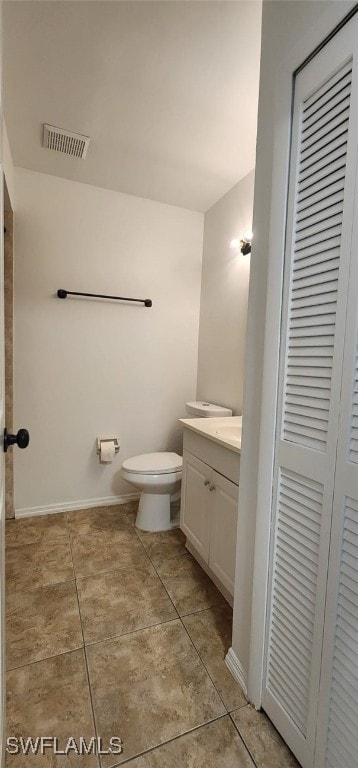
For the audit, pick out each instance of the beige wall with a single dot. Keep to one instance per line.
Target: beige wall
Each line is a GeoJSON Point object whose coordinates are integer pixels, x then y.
{"type": "Point", "coordinates": [8, 166]}
{"type": "Point", "coordinates": [224, 292]}
{"type": "Point", "coordinates": [85, 368]}
{"type": "Point", "coordinates": [284, 25]}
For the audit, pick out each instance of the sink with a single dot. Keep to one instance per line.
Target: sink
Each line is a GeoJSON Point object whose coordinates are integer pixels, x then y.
{"type": "Point", "coordinates": [233, 433]}
{"type": "Point", "coordinates": [225, 430]}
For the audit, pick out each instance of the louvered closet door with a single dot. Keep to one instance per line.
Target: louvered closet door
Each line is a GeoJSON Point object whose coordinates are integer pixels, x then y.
{"type": "Point", "coordinates": [319, 222]}
{"type": "Point", "coordinates": [337, 742]}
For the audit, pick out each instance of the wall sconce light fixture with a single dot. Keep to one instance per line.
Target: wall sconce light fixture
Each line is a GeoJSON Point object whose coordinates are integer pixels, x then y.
{"type": "Point", "coordinates": [245, 243]}
{"type": "Point", "coordinates": [235, 243]}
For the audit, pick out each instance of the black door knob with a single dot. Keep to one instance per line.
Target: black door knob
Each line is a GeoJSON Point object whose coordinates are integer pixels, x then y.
{"type": "Point", "coordinates": [22, 439]}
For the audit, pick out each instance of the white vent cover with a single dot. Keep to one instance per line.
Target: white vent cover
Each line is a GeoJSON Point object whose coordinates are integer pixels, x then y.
{"type": "Point", "coordinates": [65, 141]}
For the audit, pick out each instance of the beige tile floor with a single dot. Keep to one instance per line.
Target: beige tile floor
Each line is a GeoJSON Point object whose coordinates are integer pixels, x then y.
{"type": "Point", "coordinates": [115, 632]}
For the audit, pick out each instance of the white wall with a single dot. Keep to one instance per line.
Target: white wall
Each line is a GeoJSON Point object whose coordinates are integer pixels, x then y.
{"type": "Point", "coordinates": [85, 368]}
{"type": "Point", "coordinates": [224, 293]}
{"type": "Point", "coordinates": [284, 25]}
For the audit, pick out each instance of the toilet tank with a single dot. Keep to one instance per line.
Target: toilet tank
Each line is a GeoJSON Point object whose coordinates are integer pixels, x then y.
{"type": "Point", "coordinates": [199, 409]}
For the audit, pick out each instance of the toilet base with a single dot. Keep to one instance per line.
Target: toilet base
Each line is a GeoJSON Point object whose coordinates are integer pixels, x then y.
{"type": "Point", "coordinates": [154, 512]}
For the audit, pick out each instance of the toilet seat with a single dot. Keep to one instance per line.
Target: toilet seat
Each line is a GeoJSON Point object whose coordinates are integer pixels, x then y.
{"type": "Point", "coordinates": [154, 463]}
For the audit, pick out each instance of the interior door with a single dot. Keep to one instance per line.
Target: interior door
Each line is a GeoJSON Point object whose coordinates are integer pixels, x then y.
{"type": "Point", "coordinates": [318, 242]}
{"type": "Point", "coordinates": [337, 739]}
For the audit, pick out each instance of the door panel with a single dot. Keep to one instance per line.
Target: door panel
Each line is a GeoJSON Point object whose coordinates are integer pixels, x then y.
{"type": "Point", "coordinates": [294, 592]}
{"type": "Point", "coordinates": [342, 737]}
{"type": "Point", "coordinates": [318, 242]}
{"type": "Point", "coordinates": [337, 735]}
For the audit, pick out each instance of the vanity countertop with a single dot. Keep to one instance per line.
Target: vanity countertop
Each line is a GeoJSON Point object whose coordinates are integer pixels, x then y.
{"type": "Point", "coordinates": [225, 430]}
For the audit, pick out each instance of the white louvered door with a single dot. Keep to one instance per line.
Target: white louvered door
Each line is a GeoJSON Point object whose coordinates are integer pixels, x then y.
{"type": "Point", "coordinates": [317, 260]}
{"type": "Point", "coordinates": [337, 740]}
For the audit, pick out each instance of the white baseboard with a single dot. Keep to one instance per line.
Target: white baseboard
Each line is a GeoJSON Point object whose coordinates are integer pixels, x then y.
{"type": "Point", "coordinates": [70, 506]}
{"type": "Point", "coordinates": [236, 669]}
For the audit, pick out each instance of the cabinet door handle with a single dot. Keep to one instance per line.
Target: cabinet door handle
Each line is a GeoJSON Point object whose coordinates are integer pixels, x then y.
{"type": "Point", "coordinates": [206, 482]}
{"type": "Point", "coordinates": [212, 488]}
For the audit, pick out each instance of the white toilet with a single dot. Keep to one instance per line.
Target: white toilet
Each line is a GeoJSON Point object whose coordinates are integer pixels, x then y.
{"type": "Point", "coordinates": [158, 476]}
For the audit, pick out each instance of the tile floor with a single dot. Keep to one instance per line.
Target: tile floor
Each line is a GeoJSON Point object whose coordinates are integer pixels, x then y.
{"type": "Point", "coordinates": [115, 632]}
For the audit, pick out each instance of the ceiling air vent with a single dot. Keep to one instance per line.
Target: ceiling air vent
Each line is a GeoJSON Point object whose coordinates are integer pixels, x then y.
{"type": "Point", "coordinates": [67, 142]}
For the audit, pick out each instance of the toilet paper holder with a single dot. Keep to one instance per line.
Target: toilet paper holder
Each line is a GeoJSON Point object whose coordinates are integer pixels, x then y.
{"type": "Point", "coordinates": [107, 440]}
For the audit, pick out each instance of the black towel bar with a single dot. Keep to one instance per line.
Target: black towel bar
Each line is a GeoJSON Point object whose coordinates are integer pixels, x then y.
{"type": "Point", "coordinates": [62, 294]}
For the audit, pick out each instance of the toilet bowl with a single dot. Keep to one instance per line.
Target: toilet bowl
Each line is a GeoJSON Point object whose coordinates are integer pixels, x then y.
{"type": "Point", "coordinates": [157, 476]}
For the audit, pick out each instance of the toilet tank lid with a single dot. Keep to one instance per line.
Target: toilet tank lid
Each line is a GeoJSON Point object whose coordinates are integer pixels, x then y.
{"type": "Point", "coordinates": [207, 410]}
{"type": "Point", "coordinates": [154, 463]}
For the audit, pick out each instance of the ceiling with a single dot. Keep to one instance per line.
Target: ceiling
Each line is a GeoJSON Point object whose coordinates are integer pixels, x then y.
{"type": "Point", "coordinates": [167, 91]}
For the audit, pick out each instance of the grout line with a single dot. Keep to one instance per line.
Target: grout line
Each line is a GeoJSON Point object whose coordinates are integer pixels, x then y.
{"type": "Point", "coordinates": [205, 667]}
{"type": "Point", "coordinates": [130, 632]}
{"type": "Point", "coordinates": [207, 607]}
{"type": "Point", "coordinates": [200, 610]}
{"type": "Point", "coordinates": [242, 738]}
{"type": "Point", "coordinates": [78, 601]}
{"type": "Point", "coordinates": [99, 763]}
{"type": "Point", "coordinates": [159, 577]}
{"type": "Point", "coordinates": [46, 658]}
{"type": "Point", "coordinates": [75, 538]}
{"type": "Point", "coordinates": [183, 625]}
{"type": "Point", "coordinates": [183, 554]}
{"type": "Point", "coordinates": [189, 555]}
{"type": "Point", "coordinates": [135, 566]}
{"type": "Point", "coordinates": [115, 636]}
{"type": "Point", "coordinates": [119, 570]}
{"type": "Point", "coordinates": [91, 700]}
{"type": "Point", "coordinates": [170, 741]}
{"type": "Point", "coordinates": [79, 536]}
{"type": "Point", "coordinates": [134, 631]}
{"type": "Point", "coordinates": [180, 619]}
{"type": "Point", "coordinates": [116, 569]}
{"type": "Point", "coordinates": [241, 706]}
{"type": "Point", "coordinates": [41, 540]}
{"type": "Point", "coordinates": [24, 588]}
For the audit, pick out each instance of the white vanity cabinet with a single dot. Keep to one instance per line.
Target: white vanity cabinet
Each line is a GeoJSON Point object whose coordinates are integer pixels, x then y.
{"type": "Point", "coordinates": [209, 507]}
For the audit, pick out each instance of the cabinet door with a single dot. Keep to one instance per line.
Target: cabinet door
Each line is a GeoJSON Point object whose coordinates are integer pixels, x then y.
{"type": "Point", "coordinates": [196, 502]}
{"type": "Point", "coordinates": [223, 530]}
